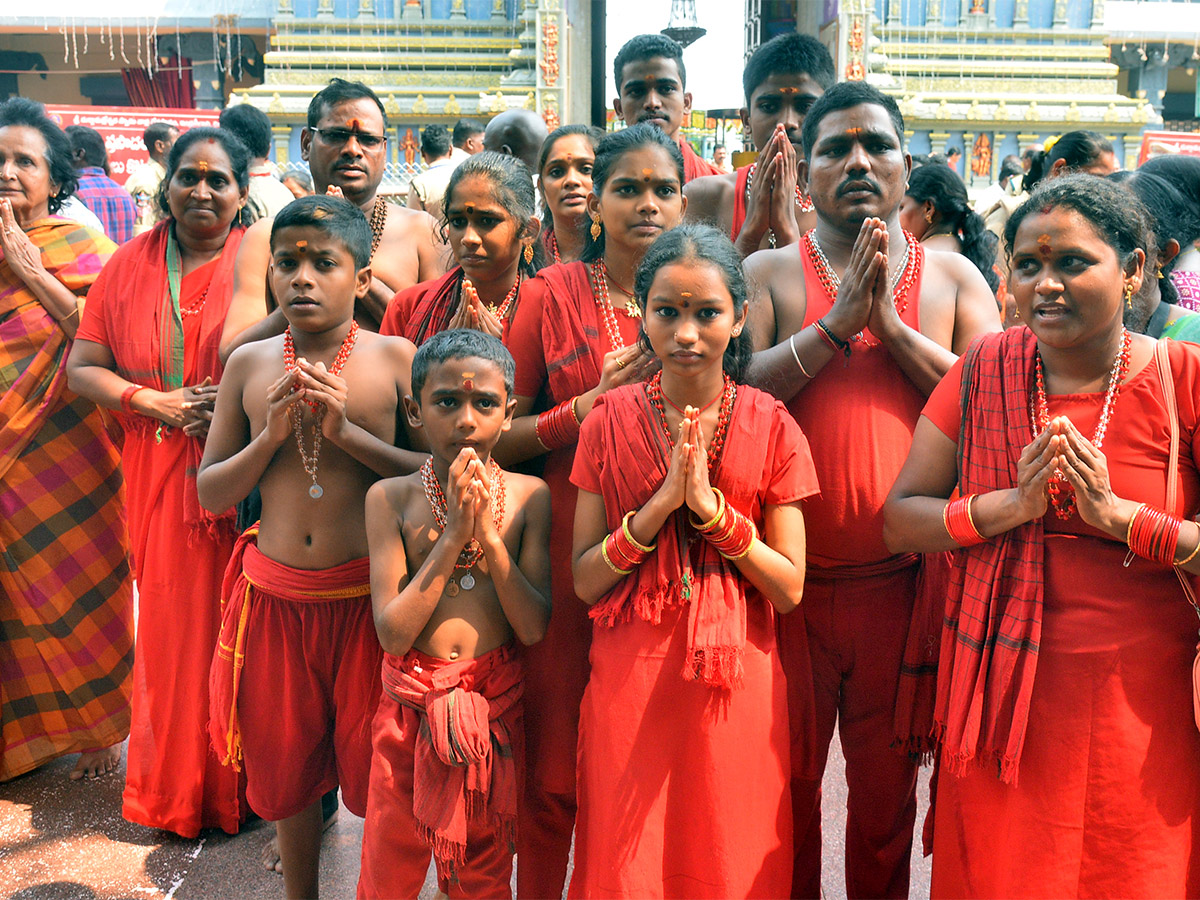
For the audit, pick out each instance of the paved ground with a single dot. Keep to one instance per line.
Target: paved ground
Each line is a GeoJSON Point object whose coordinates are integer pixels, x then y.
{"type": "Point", "coordinates": [66, 840]}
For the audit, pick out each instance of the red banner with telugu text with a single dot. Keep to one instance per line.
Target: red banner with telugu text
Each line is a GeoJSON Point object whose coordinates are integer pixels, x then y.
{"type": "Point", "coordinates": [1162, 143]}
{"type": "Point", "coordinates": [122, 127]}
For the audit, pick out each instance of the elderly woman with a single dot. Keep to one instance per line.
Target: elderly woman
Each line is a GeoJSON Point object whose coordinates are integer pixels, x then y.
{"type": "Point", "coordinates": [66, 602]}
{"type": "Point", "coordinates": [148, 347]}
{"type": "Point", "coordinates": [1070, 761]}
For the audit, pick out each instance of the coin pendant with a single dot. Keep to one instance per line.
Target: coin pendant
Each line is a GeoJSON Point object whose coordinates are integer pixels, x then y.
{"type": "Point", "coordinates": [316, 491]}
{"type": "Point", "coordinates": [451, 589]}
{"type": "Point", "coordinates": [467, 581]}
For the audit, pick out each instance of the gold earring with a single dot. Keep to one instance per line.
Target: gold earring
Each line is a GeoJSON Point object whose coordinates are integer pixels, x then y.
{"type": "Point", "coordinates": [1129, 296]}
{"type": "Point", "coordinates": [595, 228]}
{"type": "Point", "coordinates": [1158, 271]}
{"type": "Point", "coordinates": [737, 332]}
{"type": "Point", "coordinates": [929, 217]}
{"type": "Point", "coordinates": [529, 254]}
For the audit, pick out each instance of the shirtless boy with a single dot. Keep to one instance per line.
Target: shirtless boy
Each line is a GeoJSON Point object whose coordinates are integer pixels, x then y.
{"type": "Point", "coordinates": [460, 566]}
{"type": "Point", "coordinates": [345, 146]}
{"type": "Point", "coordinates": [311, 418]}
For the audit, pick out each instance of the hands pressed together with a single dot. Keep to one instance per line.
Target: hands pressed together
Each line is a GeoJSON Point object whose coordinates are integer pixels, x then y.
{"type": "Point", "coordinates": [864, 298]}
{"type": "Point", "coordinates": [687, 477]}
{"type": "Point", "coordinates": [1062, 449]}
{"type": "Point", "coordinates": [474, 313]}
{"type": "Point", "coordinates": [469, 502]}
{"type": "Point", "coordinates": [310, 383]}
{"type": "Point", "coordinates": [772, 201]}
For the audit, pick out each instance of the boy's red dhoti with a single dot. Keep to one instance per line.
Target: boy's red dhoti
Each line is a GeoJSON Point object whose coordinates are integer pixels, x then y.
{"type": "Point", "coordinates": [448, 757]}
{"type": "Point", "coordinates": [294, 681]}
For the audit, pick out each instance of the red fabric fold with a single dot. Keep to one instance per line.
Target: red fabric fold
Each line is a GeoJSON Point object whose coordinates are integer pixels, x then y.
{"type": "Point", "coordinates": [708, 583]}
{"type": "Point", "coordinates": [695, 166]}
{"type": "Point", "coordinates": [464, 767]}
{"type": "Point", "coordinates": [421, 311]}
{"type": "Point", "coordinates": [571, 338]}
{"type": "Point", "coordinates": [993, 621]}
{"type": "Point", "coordinates": [739, 202]}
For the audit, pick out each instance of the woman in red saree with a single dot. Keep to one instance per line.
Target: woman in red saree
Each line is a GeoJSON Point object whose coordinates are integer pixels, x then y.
{"type": "Point", "coordinates": [66, 591]}
{"type": "Point", "coordinates": [684, 760]}
{"type": "Point", "coordinates": [1069, 758]}
{"type": "Point", "coordinates": [564, 182]}
{"type": "Point", "coordinates": [148, 347]}
{"type": "Point", "coordinates": [573, 342]}
{"type": "Point", "coordinates": [492, 230]}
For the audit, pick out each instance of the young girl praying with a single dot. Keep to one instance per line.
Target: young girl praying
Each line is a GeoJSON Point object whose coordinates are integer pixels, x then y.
{"type": "Point", "coordinates": [689, 539]}
{"type": "Point", "coordinates": [573, 342]}
{"type": "Point", "coordinates": [492, 228]}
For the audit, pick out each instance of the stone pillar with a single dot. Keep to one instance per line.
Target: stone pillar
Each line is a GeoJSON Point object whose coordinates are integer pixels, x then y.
{"type": "Point", "coordinates": [1152, 80]}
{"type": "Point", "coordinates": [412, 11]}
{"type": "Point", "coordinates": [281, 139]}
{"type": "Point", "coordinates": [937, 141]}
{"type": "Point", "coordinates": [998, 154]}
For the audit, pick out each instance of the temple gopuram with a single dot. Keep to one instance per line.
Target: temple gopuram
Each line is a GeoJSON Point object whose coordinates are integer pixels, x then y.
{"type": "Point", "coordinates": [989, 77]}
{"type": "Point", "coordinates": [428, 60]}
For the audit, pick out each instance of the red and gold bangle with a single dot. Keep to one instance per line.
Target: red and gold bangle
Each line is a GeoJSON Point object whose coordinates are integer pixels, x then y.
{"type": "Point", "coordinates": [712, 523]}
{"type": "Point", "coordinates": [730, 533]}
{"type": "Point", "coordinates": [608, 559]}
{"type": "Point", "coordinates": [622, 553]}
{"type": "Point", "coordinates": [634, 542]}
{"type": "Point", "coordinates": [127, 397]}
{"type": "Point", "coordinates": [558, 427]}
{"type": "Point", "coordinates": [956, 516]}
{"type": "Point", "coordinates": [1154, 535]}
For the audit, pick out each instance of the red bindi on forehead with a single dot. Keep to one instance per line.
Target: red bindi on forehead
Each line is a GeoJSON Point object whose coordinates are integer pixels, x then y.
{"type": "Point", "coordinates": [1043, 241]}
{"type": "Point", "coordinates": [354, 125]}
{"type": "Point", "coordinates": [468, 381]}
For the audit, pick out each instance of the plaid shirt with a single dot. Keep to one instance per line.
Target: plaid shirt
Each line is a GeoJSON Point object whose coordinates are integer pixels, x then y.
{"type": "Point", "coordinates": [109, 201]}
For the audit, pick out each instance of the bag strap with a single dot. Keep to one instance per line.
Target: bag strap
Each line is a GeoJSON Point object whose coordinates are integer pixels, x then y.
{"type": "Point", "coordinates": [1163, 359]}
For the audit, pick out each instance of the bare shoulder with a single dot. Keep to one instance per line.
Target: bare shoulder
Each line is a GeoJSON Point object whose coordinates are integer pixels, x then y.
{"type": "Point", "coordinates": [708, 195]}
{"type": "Point", "coordinates": [527, 490]}
{"type": "Point", "coordinates": [778, 273]}
{"type": "Point", "coordinates": [956, 303]}
{"type": "Point", "coordinates": [393, 496]}
{"type": "Point", "coordinates": [254, 357]}
{"type": "Point", "coordinates": [409, 223]}
{"type": "Point", "coordinates": [257, 239]}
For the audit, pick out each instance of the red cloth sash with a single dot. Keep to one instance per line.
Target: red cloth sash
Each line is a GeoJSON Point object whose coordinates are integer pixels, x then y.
{"type": "Point", "coordinates": [694, 166]}
{"type": "Point", "coordinates": [136, 302]}
{"type": "Point", "coordinates": [713, 589]}
{"type": "Point", "coordinates": [993, 621]}
{"type": "Point", "coordinates": [739, 202]}
{"type": "Point", "coordinates": [464, 767]}
{"type": "Point", "coordinates": [421, 311]}
{"type": "Point", "coordinates": [250, 574]}
{"type": "Point", "coordinates": [573, 341]}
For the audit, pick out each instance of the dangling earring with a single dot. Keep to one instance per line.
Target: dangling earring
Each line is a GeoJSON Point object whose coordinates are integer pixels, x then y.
{"type": "Point", "coordinates": [529, 254]}
{"type": "Point", "coordinates": [595, 229]}
{"type": "Point", "coordinates": [1129, 296]}
{"type": "Point", "coordinates": [1158, 271]}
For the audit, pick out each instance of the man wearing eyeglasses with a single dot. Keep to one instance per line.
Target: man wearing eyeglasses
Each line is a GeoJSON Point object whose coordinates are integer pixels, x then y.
{"type": "Point", "coordinates": [345, 145]}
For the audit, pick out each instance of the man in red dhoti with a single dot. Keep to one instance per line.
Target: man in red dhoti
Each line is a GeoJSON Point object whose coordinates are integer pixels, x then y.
{"type": "Point", "coordinates": [760, 205]}
{"type": "Point", "coordinates": [650, 78]}
{"type": "Point", "coordinates": [873, 321]}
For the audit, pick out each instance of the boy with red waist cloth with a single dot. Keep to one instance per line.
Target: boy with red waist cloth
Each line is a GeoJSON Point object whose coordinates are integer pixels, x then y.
{"type": "Point", "coordinates": [854, 328]}
{"type": "Point", "coordinates": [311, 418]}
{"type": "Point", "coordinates": [460, 566]}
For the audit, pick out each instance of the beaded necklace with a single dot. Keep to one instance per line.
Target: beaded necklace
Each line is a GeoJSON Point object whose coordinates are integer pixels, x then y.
{"type": "Point", "coordinates": [498, 311]}
{"type": "Point", "coordinates": [196, 307]}
{"type": "Point", "coordinates": [803, 202]}
{"type": "Point", "coordinates": [1062, 494]}
{"type": "Point", "coordinates": [554, 247]}
{"type": "Point", "coordinates": [600, 279]}
{"type": "Point", "coordinates": [378, 220]}
{"type": "Point", "coordinates": [906, 274]}
{"type": "Point", "coordinates": [473, 551]}
{"type": "Point", "coordinates": [296, 417]}
{"type": "Point", "coordinates": [654, 393]}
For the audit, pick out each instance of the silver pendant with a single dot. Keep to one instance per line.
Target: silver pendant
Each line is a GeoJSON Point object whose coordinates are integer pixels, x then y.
{"type": "Point", "coordinates": [467, 581]}
{"type": "Point", "coordinates": [316, 491]}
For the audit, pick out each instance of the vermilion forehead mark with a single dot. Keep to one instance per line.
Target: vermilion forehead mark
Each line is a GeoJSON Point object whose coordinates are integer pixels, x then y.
{"type": "Point", "coordinates": [468, 383]}
{"type": "Point", "coordinates": [1044, 244]}
{"type": "Point", "coordinates": [203, 164]}
{"type": "Point", "coordinates": [685, 293]}
{"type": "Point", "coordinates": [854, 132]}
{"type": "Point", "coordinates": [354, 125]}
{"type": "Point", "coordinates": [789, 90]}
{"type": "Point", "coordinates": [470, 207]}
{"type": "Point", "coordinates": [301, 246]}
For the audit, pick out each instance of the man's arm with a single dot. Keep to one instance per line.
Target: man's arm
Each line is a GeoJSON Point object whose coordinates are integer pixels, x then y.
{"type": "Point", "coordinates": [234, 463]}
{"type": "Point", "coordinates": [247, 319]}
{"type": "Point", "coordinates": [946, 329]}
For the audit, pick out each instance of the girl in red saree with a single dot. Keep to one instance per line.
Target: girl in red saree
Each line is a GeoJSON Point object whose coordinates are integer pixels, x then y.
{"type": "Point", "coordinates": [689, 539]}
{"type": "Point", "coordinates": [148, 348]}
{"type": "Point", "coordinates": [573, 342]}
{"type": "Point", "coordinates": [493, 233]}
{"type": "Point", "coordinates": [564, 181]}
{"type": "Point", "coordinates": [1069, 758]}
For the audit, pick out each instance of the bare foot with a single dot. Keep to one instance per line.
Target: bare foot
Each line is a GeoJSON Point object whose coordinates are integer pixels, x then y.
{"type": "Point", "coordinates": [94, 763]}
{"type": "Point", "coordinates": [270, 854]}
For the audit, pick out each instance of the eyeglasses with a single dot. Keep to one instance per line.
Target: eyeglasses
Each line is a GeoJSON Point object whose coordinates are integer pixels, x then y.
{"type": "Point", "coordinates": [336, 137]}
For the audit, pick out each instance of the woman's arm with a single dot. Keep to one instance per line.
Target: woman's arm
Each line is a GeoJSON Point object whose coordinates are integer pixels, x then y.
{"type": "Point", "coordinates": [25, 259]}
{"type": "Point", "coordinates": [775, 565]}
{"type": "Point", "coordinates": [914, 512]}
{"type": "Point", "coordinates": [91, 374]}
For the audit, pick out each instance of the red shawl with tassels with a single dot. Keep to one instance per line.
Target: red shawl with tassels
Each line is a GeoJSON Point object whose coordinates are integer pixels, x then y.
{"type": "Point", "coordinates": [421, 311]}
{"type": "Point", "coordinates": [623, 439]}
{"type": "Point", "coordinates": [993, 621]}
{"type": "Point", "coordinates": [464, 763]}
{"type": "Point", "coordinates": [125, 311]}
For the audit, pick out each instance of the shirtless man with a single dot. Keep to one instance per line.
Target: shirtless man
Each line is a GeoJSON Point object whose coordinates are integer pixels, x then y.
{"type": "Point", "coordinates": [345, 145]}
{"type": "Point", "coordinates": [760, 205]}
{"type": "Point", "coordinates": [853, 327]}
